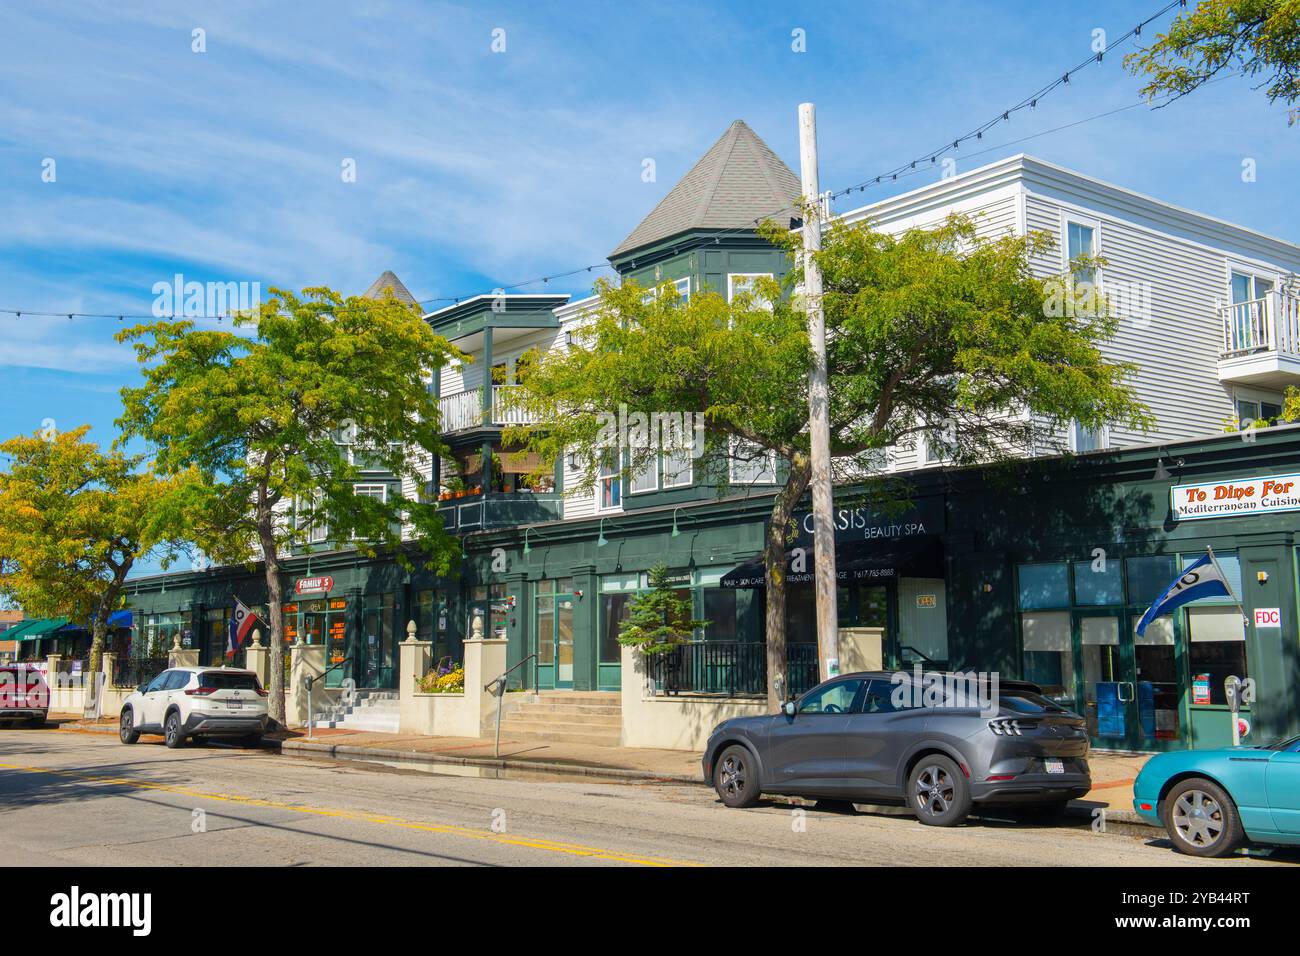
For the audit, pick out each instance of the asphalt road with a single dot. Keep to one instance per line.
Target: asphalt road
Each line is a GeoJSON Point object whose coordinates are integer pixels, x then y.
{"type": "Point", "coordinates": [78, 799]}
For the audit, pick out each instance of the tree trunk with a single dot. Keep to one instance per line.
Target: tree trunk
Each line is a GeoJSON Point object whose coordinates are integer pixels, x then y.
{"type": "Point", "coordinates": [275, 607]}
{"type": "Point", "coordinates": [774, 567]}
{"type": "Point", "coordinates": [98, 630]}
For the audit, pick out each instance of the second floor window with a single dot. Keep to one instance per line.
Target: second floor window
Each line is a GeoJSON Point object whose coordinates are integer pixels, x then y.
{"type": "Point", "coordinates": [609, 483]}
{"type": "Point", "coordinates": [752, 465]}
{"type": "Point", "coordinates": [1081, 240]}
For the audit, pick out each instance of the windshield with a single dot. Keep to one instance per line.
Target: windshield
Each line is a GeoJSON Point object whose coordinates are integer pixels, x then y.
{"type": "Point", "coordinates": [216, 680]}
{"type": "Point", "coordinates": [1027, 702]}
{"type": "Point", "coordinates": [1289, 744]}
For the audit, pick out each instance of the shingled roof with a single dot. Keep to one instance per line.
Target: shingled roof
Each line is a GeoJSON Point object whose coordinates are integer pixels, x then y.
{"type": "Point", "coordinates": [738, 180]}
{"type": "Point", "coordinates": [389, 281]}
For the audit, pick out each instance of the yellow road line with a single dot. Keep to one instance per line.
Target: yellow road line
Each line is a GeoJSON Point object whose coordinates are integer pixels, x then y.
{"type": "Point", "coordinates": [505, 839]}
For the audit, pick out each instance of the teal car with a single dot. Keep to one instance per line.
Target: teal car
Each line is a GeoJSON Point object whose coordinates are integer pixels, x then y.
{"type": "Point", "coordinates": [1212, 801]}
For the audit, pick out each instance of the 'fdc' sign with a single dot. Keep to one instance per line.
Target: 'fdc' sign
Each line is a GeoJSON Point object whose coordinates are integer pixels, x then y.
{"type": "Point", "coordinates": [1268, 617]}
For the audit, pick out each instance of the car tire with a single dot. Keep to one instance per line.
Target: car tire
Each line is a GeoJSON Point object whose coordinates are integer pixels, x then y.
{"type": "Point", "coordinates": [937, 792]}
{"type": "Point", "coordinates": [173, 735]}
{"type": "Point", "coordinates": [1201, 819]}
{"type": "Point", "coordinates": [735, 777]}
{"type": "Point", "coordinates": [126, 731]}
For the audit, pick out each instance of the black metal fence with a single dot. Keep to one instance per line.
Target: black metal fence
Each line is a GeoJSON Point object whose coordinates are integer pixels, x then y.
{"type": "Point", "coordinates": [729, 668]}
{"type": "Point", "coordinates": [134, 671]}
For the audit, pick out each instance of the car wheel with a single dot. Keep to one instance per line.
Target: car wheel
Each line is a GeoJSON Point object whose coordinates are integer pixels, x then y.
{"type": "Point", "coordinates": [1201, 819]}
{"type": "Point", "coordinates": [937, 792]}
{"type": "Point", "coordinates": [173, 736]}
{"type": "Point", "coordinates": [735, 777]}
{"type": "Point", "coordinates": [126, 731]}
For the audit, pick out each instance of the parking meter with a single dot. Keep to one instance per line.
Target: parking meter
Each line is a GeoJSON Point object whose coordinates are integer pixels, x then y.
{"type": "Point", "coordinates": [1232, 690]}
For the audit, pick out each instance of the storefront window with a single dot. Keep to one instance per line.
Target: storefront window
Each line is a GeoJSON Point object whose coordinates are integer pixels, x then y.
{"type": "Point", "coordinates": [1044, 586]}
{"type": "Point", "coordinates": [614, 610]}
{"type": "Point", "coordinates": [160, 631]}
{"type": "Point", "coordinates": [1049, 657]}
{"type": "Point", "coordinates": [1148, 577]}
{"type": "Point", "coordinates": [1098, 582]}
{"type": "Point", "coordinates": [1217, 649]}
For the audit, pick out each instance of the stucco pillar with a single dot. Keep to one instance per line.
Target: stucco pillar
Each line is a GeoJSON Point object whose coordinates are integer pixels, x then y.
{"type": "Point", "coordinates": [182, 656]}
{"type": "Point", "coordinates": [484, 660]}
{"type": "Point", "coordinates": [305, 660]}
{"type": "Point", "coordinates": [415, 659]}
{"type": "Point", "coordinates": [257, 658]}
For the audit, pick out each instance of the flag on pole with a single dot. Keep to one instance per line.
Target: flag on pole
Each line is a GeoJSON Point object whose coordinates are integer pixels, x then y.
{"type": "Point", "coordinates": [241, 622]}
{"type": "Point", "coordinates": [1203, 578]}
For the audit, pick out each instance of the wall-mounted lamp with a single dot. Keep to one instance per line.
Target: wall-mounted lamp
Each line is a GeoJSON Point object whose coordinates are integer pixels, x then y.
{"type": "Point", "coordinates": [527, 549]}
{"type": "Point", "coordinates": [1261, 577]}
{"type": "Point", "coordinates": [568, 338]}
{"type": "Point", "coordinates": [676, 531]}
{"type": "Point", "coordinates": [602, 541]}
{"type": "Point", "coordinates": [988, 588]}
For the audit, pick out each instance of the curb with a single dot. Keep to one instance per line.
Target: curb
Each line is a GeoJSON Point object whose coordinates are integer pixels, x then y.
{"type": "Point", "coordinates": [300, 748]}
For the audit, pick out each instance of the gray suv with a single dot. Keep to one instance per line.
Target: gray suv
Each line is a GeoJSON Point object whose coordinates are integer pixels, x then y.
{"type": "Point", "coordinates": [940, 745]}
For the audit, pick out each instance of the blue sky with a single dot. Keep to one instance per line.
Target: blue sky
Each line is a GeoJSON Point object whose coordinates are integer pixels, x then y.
{"type": "Point", "coordinates": [477, 168]}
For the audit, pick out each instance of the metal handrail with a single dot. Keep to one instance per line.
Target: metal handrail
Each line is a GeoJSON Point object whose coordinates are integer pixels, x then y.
{"type": "Point", "coordinates": [506, 673]}
{"type": "Point", "coordinates": [499, 683]}
{"type": "Point", "coordinates": [310, 680]}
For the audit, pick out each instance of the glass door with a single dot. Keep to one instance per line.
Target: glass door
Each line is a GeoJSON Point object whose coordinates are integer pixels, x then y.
{"type": "Point", "coordinates": [564, 640]}
{"type": "Point", "coordinates": [379, 668]}
{"type": "Point", "coordinates": [1128, 686]}
{"type": "Point", "coordinates": [1105, 677]}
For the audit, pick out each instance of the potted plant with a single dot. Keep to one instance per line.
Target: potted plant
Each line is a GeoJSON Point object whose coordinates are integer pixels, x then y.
{"type": "Point", "coordinates": [455, 487]}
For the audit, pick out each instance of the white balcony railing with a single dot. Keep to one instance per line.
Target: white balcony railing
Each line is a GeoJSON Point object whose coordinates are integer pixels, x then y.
{"type": "Point", "coordinates": [460, 411]}
{"type": "Point", "coordinates": [464, 410]}
{"type": "Point", "coordinates": [503, 415]}
{"type": "Point", "coordinates": [1270, 324]}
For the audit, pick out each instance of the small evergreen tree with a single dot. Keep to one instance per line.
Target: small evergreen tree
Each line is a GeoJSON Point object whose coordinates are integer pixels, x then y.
{"type": "Point", "coordinates": [658, 619]}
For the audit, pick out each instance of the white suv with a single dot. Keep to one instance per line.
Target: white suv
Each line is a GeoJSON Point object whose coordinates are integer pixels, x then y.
{"type": "Point", "coordinates": [196, 702]}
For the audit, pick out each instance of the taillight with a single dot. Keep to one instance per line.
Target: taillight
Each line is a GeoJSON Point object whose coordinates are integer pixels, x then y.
{"type": "Point", "coordinates": [200, 691]}
{"type": "Point", "coordinates": [1001, 776]}
{"type": "Point", "coordinates": [1011, 727]}
{"type": "Point", "coordinates": [262, 693]}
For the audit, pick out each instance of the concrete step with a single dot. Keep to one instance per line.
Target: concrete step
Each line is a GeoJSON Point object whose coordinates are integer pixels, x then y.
{"type": "Point", "coordinates": [548, 707]}
{"type": "Point", "coordinates": [612, 696]}
{"type": "Point", "coordinates": [595, 720]}
{"type": "Point", "coordinates": [554, 735]}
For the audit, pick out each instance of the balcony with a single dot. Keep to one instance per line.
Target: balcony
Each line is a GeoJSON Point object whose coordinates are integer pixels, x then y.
{"type": "Point", "coordinates": [1261, 341]}
{"type": "Point", "coordinates": [464, 411]}
{"type": "Point", "coordinates": [476, 512]}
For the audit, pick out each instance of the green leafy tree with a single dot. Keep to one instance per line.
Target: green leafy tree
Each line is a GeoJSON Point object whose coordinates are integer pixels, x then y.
{"type": "Point", "coordinates": [660, 618]}
{"type": "Point", "coordinates": [1251, 38]}
{"type": "Point", "coordinates": [939, 331]}
{"type": "Point", "coordinates": [74, 520]}
{"type": "Point", "coordinates": [1291, 406]}
{"type": "Point", "coordinates": [279, 421]}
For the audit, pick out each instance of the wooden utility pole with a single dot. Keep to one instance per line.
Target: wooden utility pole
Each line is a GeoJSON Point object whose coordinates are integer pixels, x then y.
{"type": "Point", "coordinates": [828, 641]}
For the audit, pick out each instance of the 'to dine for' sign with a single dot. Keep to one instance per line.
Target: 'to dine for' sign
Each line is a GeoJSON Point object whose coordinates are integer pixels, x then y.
{"type": "Point", "coordinates": [1240, 496]}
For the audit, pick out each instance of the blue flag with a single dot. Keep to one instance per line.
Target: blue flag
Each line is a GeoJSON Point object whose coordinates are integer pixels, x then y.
{"type": "Point", "coordinates": [1202, 579]}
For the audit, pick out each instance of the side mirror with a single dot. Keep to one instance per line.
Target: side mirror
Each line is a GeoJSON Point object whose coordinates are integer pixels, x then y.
{"type": "Point", "coordinates": [789, 708]}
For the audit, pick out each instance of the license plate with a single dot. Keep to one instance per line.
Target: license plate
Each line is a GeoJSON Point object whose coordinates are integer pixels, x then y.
{"type": "Point", "coordinates": [1054, 765]}
{"type": "Point", "coordinates": [236, 704]}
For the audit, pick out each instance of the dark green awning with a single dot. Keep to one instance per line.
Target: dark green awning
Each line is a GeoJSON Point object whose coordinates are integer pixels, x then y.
{"type": "Point", "coordinates": [39, 627]}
